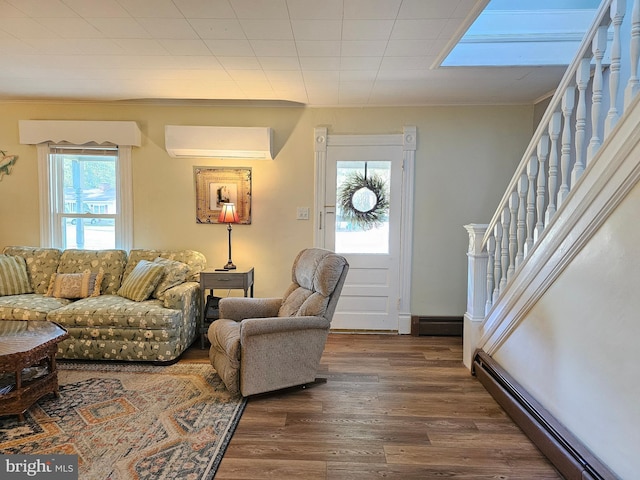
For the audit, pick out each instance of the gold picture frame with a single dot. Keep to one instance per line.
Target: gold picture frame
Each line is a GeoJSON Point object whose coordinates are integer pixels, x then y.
{"type": "Point", "coordinates": [218, 185]}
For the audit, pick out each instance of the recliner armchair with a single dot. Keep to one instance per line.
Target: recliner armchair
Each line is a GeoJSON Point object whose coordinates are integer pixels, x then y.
{"type": "Point", "coordinates": [260, 345]}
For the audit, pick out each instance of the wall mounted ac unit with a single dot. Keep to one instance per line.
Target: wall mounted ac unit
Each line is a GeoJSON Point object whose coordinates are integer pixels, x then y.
{"type": "Point", "coordinates": [218, 142]}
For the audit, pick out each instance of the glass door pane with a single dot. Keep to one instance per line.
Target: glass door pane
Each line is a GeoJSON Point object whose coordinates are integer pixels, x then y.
{"type": "Point", "coordinates": [362, 207]}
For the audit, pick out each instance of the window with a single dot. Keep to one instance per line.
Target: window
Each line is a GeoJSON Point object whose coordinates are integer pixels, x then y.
{"type": "Point", "coordinates": [370, 234]}
{"type": "Point", "coordinates": [524, 33]}
{"type": "Point", "coordinates": [87, 196]}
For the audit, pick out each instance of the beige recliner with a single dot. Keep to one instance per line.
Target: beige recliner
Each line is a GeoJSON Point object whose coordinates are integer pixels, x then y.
{"type": "Point", "coordinates": [264, 344]}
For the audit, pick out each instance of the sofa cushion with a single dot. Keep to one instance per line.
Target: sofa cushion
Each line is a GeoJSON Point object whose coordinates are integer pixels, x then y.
{"type": "Point", "coordinates": [196, 261]}
{"type": "Point", "coordinates": [174, 274]}
{"type": "Point", "coordinates": [111, 262]}
{"type": "Point", "coordinates": [142, 281]}
{"type": "Point", "coordinates": [29, 306]}
{"type": "Point", "coordinates": [41, 263]}
{"type": "Point", "coordinates": [112, 311]}
{"type": "Point", "coordinates": [13, 276]}
{"type": "Point", "coordinates": [75, 285]}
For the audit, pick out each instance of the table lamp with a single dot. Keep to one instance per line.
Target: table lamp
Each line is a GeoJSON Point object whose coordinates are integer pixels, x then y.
{"type": "Point", "coordinates": [228, 215]}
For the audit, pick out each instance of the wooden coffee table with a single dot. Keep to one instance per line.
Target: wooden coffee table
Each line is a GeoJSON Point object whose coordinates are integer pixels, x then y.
{"type": "Point", "coordinates": [28, 363]}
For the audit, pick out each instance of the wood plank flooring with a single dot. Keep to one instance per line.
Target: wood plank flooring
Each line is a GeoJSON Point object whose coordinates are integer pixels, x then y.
{"type": "Point", "coordinates": [394, 407]}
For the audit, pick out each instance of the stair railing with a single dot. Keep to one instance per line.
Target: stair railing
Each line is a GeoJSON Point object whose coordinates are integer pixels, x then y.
{"type": "Point", "coordinates": [580, 116]}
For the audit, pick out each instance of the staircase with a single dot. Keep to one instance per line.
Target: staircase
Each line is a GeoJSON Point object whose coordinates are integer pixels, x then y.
{"type": "Point", "coordinates": [553, 282]}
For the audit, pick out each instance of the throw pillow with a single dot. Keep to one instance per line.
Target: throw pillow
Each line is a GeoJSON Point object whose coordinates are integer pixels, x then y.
{"type": "Point", "coordinates": [13, 276]}
{"type": "Point", "coordinates": [175, 274]}
{"type": "Point", "coordinates": [142, 281]}
{"type": "Point", "coordinates": [75, 285]}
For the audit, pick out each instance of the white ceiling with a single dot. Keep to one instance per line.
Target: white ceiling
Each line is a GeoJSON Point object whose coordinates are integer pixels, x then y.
{"type": "Point", "coordinates": [314, 52]}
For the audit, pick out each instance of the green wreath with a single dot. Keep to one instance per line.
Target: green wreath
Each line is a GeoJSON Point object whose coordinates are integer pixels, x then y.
{"type": "Point", "coordinates": [363, 200]}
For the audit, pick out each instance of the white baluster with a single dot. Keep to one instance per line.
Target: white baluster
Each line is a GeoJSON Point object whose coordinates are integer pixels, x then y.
{"type": "Point", "coordinates": [491, 250]}
{"type": "Point", "coordinates": [554, 133]}
{"type": "Point", "coordinates": [497, 266]}
{"type": "Point", "coordinates": [504, 261]}
{"type": "Point", "coordinates": [633, 83]}
{"type": "Point", "coordinates": [513, 233]}
{"type": "Point", "coordinates": [541, 188]}
{"type": "Point", "coordinates": [532, 172]}
{"type": "Point", "coordinates": [598, 45]}
{"type": "Point", "coordinates": [522, 215]}
{"type": "Point", "coordinates": [568, 102]}
{"type": "Point", "coordinates": [582, 79]}
{"type": "Point", "coordinates": [617, 16]}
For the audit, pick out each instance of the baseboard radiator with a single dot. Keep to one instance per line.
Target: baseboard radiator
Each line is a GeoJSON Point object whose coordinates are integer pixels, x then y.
{"type": "Point", "coordinates": [570, 457]}
{"type": "Point", "coordinates": [443, 326]}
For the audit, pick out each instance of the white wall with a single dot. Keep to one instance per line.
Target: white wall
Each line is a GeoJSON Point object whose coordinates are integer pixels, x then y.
{"type": "Point", "coordinates": [576, 350]}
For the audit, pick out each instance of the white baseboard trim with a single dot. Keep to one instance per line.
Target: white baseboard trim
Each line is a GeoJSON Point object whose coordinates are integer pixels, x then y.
{"type": "Point", "coordinates": [404, 324]}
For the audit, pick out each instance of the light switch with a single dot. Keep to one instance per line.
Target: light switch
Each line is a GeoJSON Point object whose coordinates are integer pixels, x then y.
{"type": "Point", "coordinates": [303, 213]}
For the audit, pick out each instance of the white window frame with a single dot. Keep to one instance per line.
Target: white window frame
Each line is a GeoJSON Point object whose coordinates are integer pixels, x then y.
{"type": "Point", "coordinates": [50, 234]}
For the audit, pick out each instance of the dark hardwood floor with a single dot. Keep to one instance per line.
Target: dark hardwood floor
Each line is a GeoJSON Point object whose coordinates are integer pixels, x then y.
{"type": "Point", "coordinates": [394, 407]}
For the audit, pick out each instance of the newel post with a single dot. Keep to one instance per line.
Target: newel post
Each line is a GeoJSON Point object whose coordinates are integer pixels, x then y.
{"type": "Point", "coordinates": [476, 290]}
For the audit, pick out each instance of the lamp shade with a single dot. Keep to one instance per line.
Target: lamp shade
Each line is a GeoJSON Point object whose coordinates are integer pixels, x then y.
{"type": "Point", "coordinates": [228, 214]}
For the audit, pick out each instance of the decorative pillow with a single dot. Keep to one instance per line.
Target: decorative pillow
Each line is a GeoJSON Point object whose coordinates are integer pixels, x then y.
{"type": "Point", "coordinates": [75, 285]}
{"type": "Point", "coordinates": [13, 276]}
{"type": "Point", "coordinates": [142, 281]}
{"type": "Point", "coordinates": [175, 274]}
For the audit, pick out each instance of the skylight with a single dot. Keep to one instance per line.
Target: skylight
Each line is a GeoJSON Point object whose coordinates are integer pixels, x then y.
{"type": "Point", "coordinates": [524, 33]}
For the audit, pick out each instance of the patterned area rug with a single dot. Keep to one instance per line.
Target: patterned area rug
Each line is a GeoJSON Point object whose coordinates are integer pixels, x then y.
{"type": "Point", "coordinates": [131, 421]}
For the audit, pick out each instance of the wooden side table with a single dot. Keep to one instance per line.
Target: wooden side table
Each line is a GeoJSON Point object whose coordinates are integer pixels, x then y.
{"type": "Point", "coordinates": [24, 345]}
{"type": "Point", "coordinates": [211, 279]}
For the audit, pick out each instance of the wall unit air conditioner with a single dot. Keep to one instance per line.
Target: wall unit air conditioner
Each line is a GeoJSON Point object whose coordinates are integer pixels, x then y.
{"type": "Point", "coordinates": [218, 142]}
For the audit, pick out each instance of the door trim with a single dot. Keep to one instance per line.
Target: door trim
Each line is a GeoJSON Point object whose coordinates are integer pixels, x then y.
{"type": "Point", "coordinates": [407, 139]}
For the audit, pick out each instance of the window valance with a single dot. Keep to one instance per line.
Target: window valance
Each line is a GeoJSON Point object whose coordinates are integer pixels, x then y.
{"type": "Point", "coordinates": [79, 132]}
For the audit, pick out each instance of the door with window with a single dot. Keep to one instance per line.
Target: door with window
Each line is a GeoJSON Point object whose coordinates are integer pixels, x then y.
{"type": "Point", "coordinates": [361, 216]}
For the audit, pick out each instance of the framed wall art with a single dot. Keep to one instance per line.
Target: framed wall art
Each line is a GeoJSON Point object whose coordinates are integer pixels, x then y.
{"type": "Point", "coordinates": [218, 185]}
{"type": "Point", "coordinates": [6, 163]}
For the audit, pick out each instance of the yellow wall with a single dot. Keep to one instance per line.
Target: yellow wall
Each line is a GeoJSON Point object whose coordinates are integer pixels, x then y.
{"type": "Point", "coordinates": [465, 157]}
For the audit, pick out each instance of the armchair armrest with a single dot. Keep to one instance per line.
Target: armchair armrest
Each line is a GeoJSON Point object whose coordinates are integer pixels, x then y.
{"type": "Point", "coordinates": [280, 352]}
{"type": "Point", "coordinates": [224, 336]}
{"type": "Point", "coordinates": [262, 326]}
{"type": "Point", "coordinates": [239, 308]}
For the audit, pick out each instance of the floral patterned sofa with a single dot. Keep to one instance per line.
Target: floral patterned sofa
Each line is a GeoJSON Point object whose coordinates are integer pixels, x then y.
{"type": "Point", "coordinates": [138, 306]}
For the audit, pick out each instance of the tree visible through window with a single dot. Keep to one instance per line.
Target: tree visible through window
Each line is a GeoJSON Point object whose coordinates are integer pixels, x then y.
{"type": "Point", "coordinates": [85, 185]}
{"type": "Point", "coordinates": [89, 186]}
